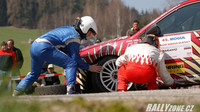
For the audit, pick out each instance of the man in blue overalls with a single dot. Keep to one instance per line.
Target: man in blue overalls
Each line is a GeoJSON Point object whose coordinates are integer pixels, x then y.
{"type": "Point", "coordinates": [47, 47]}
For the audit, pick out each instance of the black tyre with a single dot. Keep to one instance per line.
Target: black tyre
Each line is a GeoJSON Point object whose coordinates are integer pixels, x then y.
{"type": "Point", "coordinates": [106, 81]}
{"type": "Point", "coordinates": [50, 90]}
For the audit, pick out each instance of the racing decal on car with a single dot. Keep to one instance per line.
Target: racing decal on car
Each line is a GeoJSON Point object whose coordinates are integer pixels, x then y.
{"type": "Point", "coordinates": [84, 60]}
{"type": "Point", "coordinates": [196, 48]}
{"type": "Point", "coordinates": [78, 80]}
{"type": "Point", "coordinates": [81, 78]}
{"type": "Point", "coordinates": [174, 68]}
{"type": "Point", "coordinates": [176, 46]}
{"type": "Point", "coordinates": [95, 56]}
{"type": "Point", "coordinates": [107, 48]}
{"type": "Point", "coordinates": [191, 67]}
{"type": "Point", "coordinates": [184, 78]}
{"type": "Point", "coordinates": [196, 45]}
{"type": "Point", "coordinates": [196, 34]}
{"type": "Point", "coordinates": [189, 71]}
{"type": "Point", "coordinates": [114, 48]}
{"type": "Point", "coordinates": [90, 57]}
{"type": "Point", "coordinates": [120, 49]}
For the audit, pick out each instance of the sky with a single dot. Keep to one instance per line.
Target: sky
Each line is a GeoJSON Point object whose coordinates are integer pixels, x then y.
{"type": "Point", "coordinates": [146, 4]}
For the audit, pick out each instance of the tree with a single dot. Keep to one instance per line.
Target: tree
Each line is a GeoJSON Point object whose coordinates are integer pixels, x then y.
{"type": "Point", "coordinates": [112, 17]}
{"type": "Point", "coordinates": [3, 13]}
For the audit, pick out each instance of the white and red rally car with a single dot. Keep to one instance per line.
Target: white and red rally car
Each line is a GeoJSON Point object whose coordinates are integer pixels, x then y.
{"type": "Point", "coordinates": [180, 30]}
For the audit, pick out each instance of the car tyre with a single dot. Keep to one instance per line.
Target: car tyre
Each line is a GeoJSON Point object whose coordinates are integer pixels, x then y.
{"type": "Point", "coordinates": [50, 90]}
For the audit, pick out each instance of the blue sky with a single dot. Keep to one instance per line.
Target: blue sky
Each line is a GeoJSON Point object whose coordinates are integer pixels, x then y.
{"type": "Point", "coordinates": [146, 4]}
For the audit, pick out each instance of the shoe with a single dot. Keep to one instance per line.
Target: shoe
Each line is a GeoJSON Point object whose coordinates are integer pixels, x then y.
{"type": "Point", "coordinates": [173, 86]}
{"type": "Point", "coordinates": [71, 89]}
{"type": "Point", "coordinates": [16, 93]}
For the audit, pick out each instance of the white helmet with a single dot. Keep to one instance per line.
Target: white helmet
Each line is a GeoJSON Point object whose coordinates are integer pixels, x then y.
{"type": "Point", "coordinates": [87, 23]}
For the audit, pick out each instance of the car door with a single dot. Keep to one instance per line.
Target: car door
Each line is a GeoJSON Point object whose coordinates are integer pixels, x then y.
{"type": "Point", "coordinates": [180, 41]}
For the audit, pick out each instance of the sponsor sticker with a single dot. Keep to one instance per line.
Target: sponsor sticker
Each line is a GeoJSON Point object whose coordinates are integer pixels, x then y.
{"type": "Point", "coordinates": [169, 108]}
{"type": "Point", "coordinates": [176, 46]}
{"type": "Point", "coordinates": [174, 68]}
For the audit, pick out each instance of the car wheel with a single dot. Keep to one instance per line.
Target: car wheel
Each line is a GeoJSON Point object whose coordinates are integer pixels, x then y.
{"type": "Point", "coordinates": [50, 90]}
{"type": "Point", "coordinates": [106, 81]}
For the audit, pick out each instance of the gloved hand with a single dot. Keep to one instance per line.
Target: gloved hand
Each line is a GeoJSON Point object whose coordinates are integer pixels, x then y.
{"type": "Point", "coordinates": [95, 68]}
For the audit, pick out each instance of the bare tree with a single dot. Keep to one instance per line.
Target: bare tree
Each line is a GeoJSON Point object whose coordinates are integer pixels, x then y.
{"type": "Point", "coordinates": [172, 3]}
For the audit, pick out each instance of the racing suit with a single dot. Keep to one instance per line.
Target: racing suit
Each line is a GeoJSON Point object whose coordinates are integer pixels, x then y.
{"type": "Point", "coordinates": [139, 65]}
{"type": "Point", "coordinates": [46, 49]}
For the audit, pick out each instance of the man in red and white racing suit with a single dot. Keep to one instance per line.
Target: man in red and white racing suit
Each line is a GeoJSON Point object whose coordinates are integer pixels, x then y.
{"type": "Point", "coordinates": [140, 64]}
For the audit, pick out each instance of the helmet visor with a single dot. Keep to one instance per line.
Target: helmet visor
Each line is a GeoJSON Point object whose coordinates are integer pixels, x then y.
{"type": "Point", "coordinates": [93, 32]}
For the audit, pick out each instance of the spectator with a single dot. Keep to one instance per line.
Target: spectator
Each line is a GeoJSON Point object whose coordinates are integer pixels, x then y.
{"type": "Point", "coordinates": [19, 56]}
{"type": "Point", "coordinates": [45, 48]}
{"type": "Point", "coordinates": [134, 29]}
{"type": "Point", "coordinates": [49, 80]}
{"type": "Point", "coordinates": [138, 65]}
{"type": "Point", "coordinates": [7, 62]}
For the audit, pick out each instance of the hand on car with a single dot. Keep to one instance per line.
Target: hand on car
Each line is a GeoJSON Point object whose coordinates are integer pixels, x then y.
{"type": "Point", "coordinates": [95, 68]}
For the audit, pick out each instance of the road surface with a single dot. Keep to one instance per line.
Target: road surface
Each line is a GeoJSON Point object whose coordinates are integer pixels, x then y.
{"type": "Point", "coordinates": [165, 96]}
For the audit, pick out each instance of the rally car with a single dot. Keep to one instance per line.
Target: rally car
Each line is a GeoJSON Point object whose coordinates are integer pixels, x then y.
{"type": "Point", "coordinates": [179, 30]}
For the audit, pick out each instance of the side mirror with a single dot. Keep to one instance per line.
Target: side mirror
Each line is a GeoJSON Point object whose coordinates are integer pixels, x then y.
{"type": "Point", "coordinates": [154, 30]}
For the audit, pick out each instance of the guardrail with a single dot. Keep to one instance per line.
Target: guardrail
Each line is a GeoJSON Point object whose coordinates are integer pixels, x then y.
{"type": "Point", "coordinates": [41, 76]}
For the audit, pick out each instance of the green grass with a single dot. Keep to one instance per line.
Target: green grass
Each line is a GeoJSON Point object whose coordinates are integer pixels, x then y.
{"type": "Point", "coordinates": [21, 38]}
{"type": "Point", "coordinates": [78, 104]}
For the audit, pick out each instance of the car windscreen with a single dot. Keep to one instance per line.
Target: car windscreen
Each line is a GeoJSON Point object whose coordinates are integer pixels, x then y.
{"type": "Point", "coordinates": [184, 19]}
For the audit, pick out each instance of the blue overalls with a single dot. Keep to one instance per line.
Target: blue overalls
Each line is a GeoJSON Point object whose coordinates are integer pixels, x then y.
{"type": "Point", "coordinates": [45, 48]}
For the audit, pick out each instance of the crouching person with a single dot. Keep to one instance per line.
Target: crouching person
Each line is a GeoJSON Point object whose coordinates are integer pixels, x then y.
{"type": "Point", "coordinates": [46, 49]}
{"type": "Point", "coordinates": [140, 64]}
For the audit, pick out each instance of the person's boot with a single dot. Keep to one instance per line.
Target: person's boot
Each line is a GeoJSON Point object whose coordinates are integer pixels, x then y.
{"type": "Point", "coordinates": [16, 93]}
{"type": "Point", "coordinates": [71, 89]}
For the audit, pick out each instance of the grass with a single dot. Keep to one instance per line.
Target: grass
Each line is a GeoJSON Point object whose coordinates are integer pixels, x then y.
{"type": "Point", "coordinates": [21, 38]}
{"type": "Point", "coordinates": [78, 104]}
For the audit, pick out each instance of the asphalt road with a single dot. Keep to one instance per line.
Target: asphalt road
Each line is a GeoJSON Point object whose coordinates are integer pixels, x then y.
{"type": "Point", "coordinates": [185, 96]}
